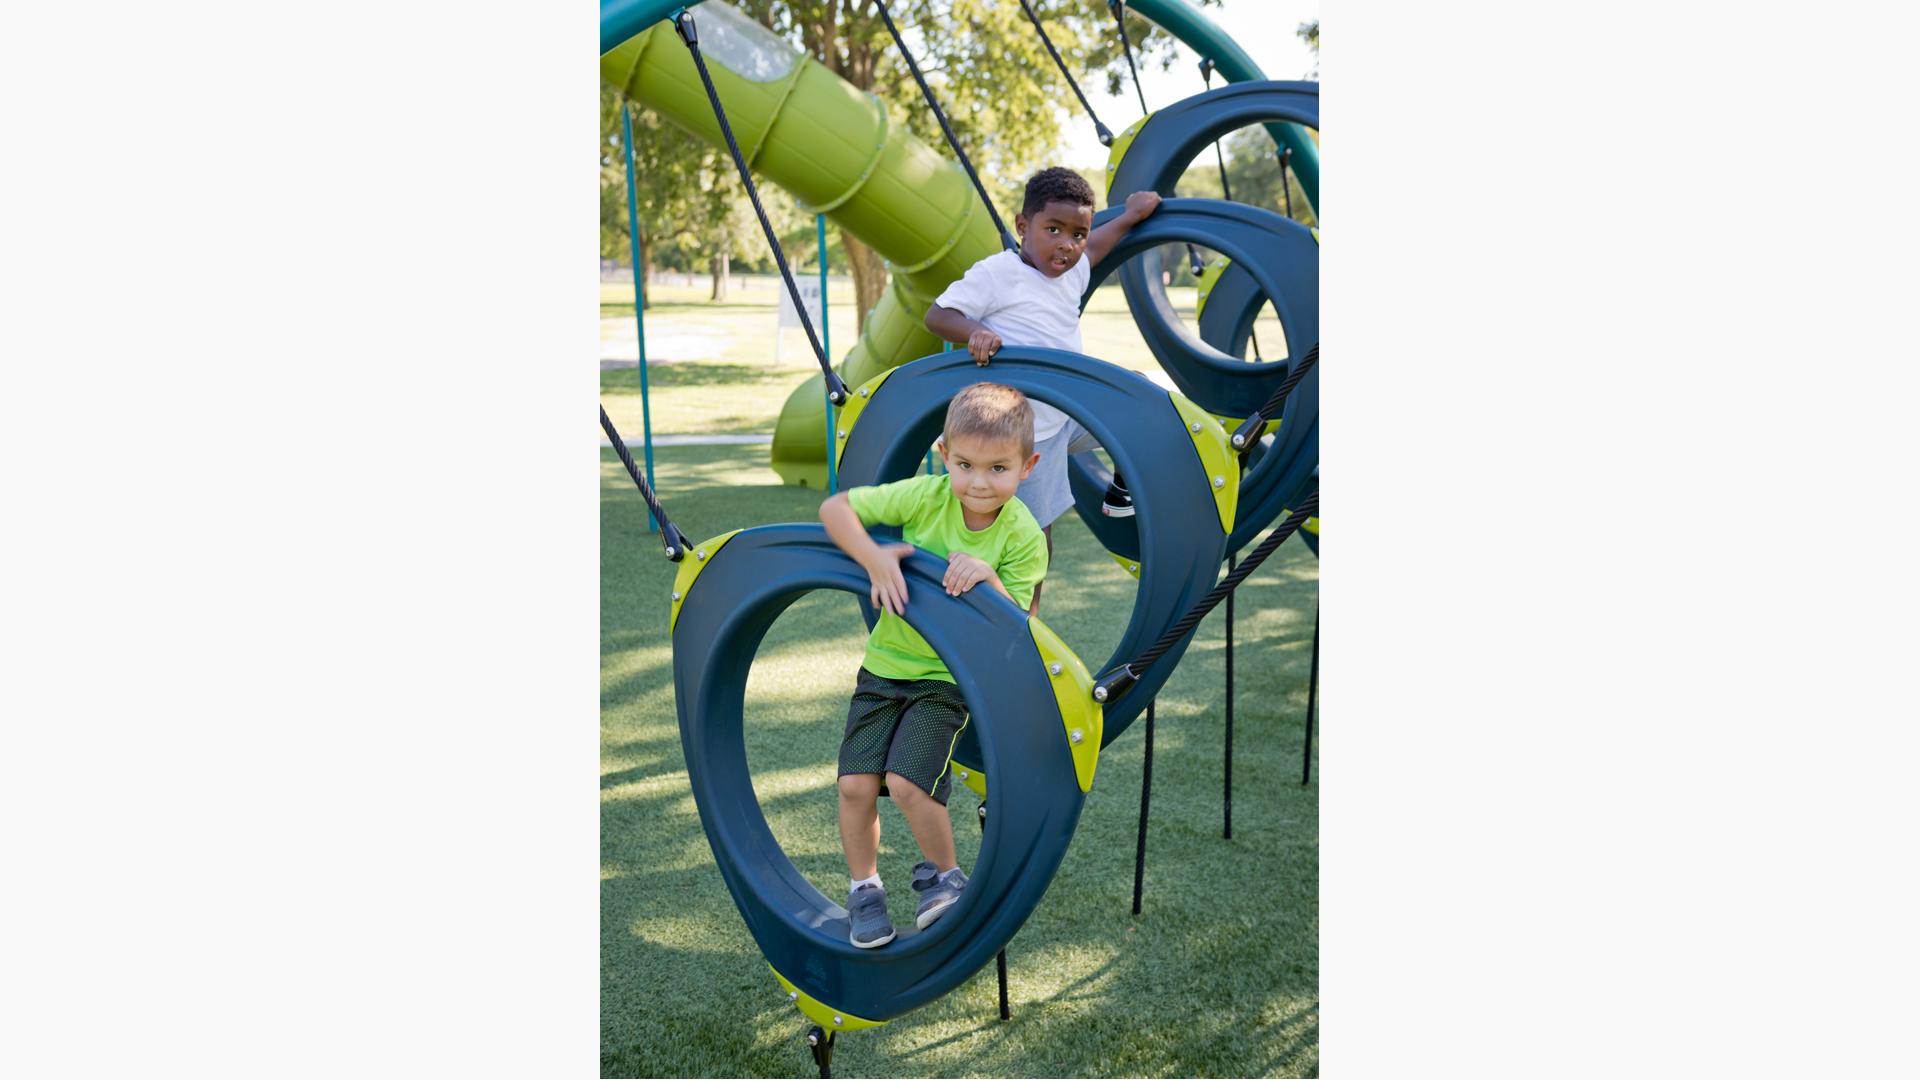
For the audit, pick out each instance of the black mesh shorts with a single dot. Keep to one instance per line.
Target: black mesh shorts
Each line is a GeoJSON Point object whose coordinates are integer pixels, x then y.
{"type": "Point", "coordinates": [903, 727]}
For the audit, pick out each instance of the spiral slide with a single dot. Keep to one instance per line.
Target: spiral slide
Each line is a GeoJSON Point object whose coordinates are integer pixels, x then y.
{"type": "Point", "coordinates": [830, 145]}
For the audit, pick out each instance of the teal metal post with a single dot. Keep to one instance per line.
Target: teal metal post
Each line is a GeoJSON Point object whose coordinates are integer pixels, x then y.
{"type": "Point", "coordinates": [639, 298]}
{"type": "Point", "coordinates": [826, 344]}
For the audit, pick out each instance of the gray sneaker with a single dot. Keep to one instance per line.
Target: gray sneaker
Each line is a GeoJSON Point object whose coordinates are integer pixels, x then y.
{"type": "Point", "coordinates": [867, 910]}
{"type": "Point", "coordinates": [936, 896]}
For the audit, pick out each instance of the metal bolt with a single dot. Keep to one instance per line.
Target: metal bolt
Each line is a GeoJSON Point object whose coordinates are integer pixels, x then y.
{"type": "Point", "coordinates": [676, 594]}
{"type": "Point", "coordinates": [863, 391]}
{"type": "Point", "coordinates": [699, 553]}
{"type": "Point", "coordinates": [670, 552]}
{"type": "Point", "coordinates": [1239, 441]}
{"type": "Point", "coordinates": [1196, 426]}
{"type": "Point", "coordinates": [1099, 693]}
{"type": "Point", "coordinates": [793, 995]}
{"type": "Point", "coordinates": [843, 433]}
{"type": "Point", "coordinates": [1055, 668]}
{"type": "Point", "coordinates": [1219, 481]}
{"type": "Point", "coordinates": [1075, 736]}
{"type": "Point", "coordinates": [962, 772]}
{"type": "Point", "coordinates": [837, 1021]}
{"type": "Point", "coordinates": [1133, 567]}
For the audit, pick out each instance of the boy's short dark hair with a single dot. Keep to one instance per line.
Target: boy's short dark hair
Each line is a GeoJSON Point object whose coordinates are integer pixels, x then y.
{"type": "Point", "coordinates": [1056, 185]}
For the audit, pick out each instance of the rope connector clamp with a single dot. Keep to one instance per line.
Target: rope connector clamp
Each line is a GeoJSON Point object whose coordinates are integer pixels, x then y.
{"type": "Point", "coordinates": [1114, 684]}
{"type": "Point", "coordinates": [1249, 431]}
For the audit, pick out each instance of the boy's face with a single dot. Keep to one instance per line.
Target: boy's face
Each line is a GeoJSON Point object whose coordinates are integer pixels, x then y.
{"type": "Point", "coordinates": [1055, 237]}
{"type": "Point", "coordinates": [984, 472]}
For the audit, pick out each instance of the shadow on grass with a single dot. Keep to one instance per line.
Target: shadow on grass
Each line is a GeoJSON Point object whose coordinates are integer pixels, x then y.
{"type": "Point", "coordinates": [1214, 978]}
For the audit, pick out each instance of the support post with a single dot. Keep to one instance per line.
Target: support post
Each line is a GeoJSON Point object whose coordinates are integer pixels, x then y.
{"type": "Point", "coordinates": [1001, 960]}
{"type": "Point", "coordinates": [1226, 801]}
{"type": "Point", "coordinates": [1146, 791]}
{"type": "Point", "coordinates": [1313, 684]}
{"type": "Point", "coordinates": [639, 296]}
{"type": "Point", "coordinates": [820, 1043]}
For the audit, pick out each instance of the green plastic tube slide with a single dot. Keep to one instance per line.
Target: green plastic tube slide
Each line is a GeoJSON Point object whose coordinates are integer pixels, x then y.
{"type": "Point", "coordinates": [809, 131]}
{"type": "Point", "coordinates": [831, 146]}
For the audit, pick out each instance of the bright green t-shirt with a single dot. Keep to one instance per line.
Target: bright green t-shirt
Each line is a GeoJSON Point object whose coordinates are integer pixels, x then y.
{"type": "Point", "coordinates": [931, 518]}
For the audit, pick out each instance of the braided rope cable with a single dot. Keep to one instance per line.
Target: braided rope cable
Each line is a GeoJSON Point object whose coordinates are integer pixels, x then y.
{"type": "Point", "coordinates": [689, 33]}
{"type": "Point", "coordinates": [1006, 238]}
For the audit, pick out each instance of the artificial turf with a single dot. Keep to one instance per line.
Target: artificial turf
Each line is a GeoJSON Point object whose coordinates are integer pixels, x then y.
{"type": "Point", "coordinates": [1216, 977]}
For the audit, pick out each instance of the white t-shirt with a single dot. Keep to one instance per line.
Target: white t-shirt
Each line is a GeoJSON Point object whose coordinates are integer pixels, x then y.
{"type": "Point", "coordinates": [1025, 307]}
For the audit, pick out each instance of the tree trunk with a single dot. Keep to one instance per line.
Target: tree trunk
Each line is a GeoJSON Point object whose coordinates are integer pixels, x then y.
{"type": "Point", "coordinates": [869, 276]}
{"type": "Point", "coordinates": [644, 267]}
{"type": "Point", "coordinates": [720, 269]}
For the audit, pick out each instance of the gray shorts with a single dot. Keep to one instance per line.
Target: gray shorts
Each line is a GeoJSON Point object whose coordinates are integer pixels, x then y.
{"type": "Point", "coordinates": [1046, 491]}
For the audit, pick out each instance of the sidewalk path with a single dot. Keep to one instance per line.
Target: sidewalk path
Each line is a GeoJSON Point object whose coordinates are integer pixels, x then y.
{"type": "Point", "coordinates": [692, 440]}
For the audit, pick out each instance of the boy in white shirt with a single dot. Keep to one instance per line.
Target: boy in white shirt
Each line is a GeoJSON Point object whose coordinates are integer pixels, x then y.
{"type": "Point", "coordinates": [1032, 297]}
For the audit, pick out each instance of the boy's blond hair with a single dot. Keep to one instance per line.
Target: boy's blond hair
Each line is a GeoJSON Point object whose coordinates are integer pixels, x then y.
{"type": "Point", "coordinates": [991, 411]}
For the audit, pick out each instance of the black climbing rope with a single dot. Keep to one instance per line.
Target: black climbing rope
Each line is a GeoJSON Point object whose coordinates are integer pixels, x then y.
{"type": "Point", "coordinates": [683, 23]}
{"type": "Point", "coordinates": [1226, 189]}
{"type": "Point", "coordinates": [1099, 129]}
{"type": "Point", "coordinates": [1250, 429]}
{"type": "Point", "coordinates": [1119, 9]}
{"type": "Point", "coordinates": [1116, 682]}
{"type": "Point", "coordinates": [1006, 238]}
{"type": "Point", "coordinates": [672, 538]}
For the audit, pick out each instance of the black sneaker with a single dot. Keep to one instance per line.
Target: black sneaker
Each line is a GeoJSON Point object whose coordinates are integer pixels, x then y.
{"type": "Point", "coordinates": [1117, 502]}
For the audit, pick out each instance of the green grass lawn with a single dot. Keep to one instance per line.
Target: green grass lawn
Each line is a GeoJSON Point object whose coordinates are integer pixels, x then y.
{"type": "Point", "coordinates": [1217, 977]}
{"type": "Point", "coordinates": [713, 369]}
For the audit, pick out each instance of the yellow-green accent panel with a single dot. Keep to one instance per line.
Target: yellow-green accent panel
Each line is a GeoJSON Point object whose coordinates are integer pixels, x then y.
{"type": "Point", "coordinates": [1073, 689]}
{"type": "Point", "coordinates": [828, 1017]}
{"type": "Point", "coordinates": [1119, 150]}
{"type": "Point", "coordinates": [857, 403]}
{"type": "Point", "coordinates": [1312, 525]}
{"type": "Point", "coordinates": [1131, 566]}
{"type": "Point", "coordinates": [974, 779]}
{"type": "Point", "coordinates": [1207, 278]}
{"type": "Point", "coordinates": [690, 567]}
{"type": "Point", "coordinates": [1222, 465]}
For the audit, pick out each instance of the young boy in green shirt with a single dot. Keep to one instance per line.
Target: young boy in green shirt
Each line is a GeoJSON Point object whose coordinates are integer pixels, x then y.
{"type": "Point", "coordinates": [906, 713]}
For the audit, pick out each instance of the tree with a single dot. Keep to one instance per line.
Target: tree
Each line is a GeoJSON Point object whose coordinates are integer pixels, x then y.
{"type": "Point", "coordinates": [668, 201]}
{"type": "Point", "coordinates": [986, 67]}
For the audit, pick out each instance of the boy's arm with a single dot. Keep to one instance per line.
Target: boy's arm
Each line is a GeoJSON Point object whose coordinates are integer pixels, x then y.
{"type": "Point", "coordinates": [948, 324]}
{"type": "Point", "coordinates": [881, 562]}
{"type": "Point", "coordinates": [1140, 206]}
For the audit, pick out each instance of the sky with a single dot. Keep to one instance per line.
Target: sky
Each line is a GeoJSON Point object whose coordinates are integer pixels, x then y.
{"type": "Point", "coordinates": [1264, 28]}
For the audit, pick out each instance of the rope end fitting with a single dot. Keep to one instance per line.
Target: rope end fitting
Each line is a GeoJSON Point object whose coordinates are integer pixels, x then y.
{"type": "Point", "coordinates": [1206, 69]}
{"type": "Point", "coordinates": [683, 25]}
{"type": "Point", "coordinates": [1100, 132]}
{"type": "Point", "coordinates": [1249, 431]}
{"type": "Point", "coordinates": [836, 389]}
{"type": "Point", "coordinates": [675, 542]}
{"type": "Point", "coordinates": [1114, 684]}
